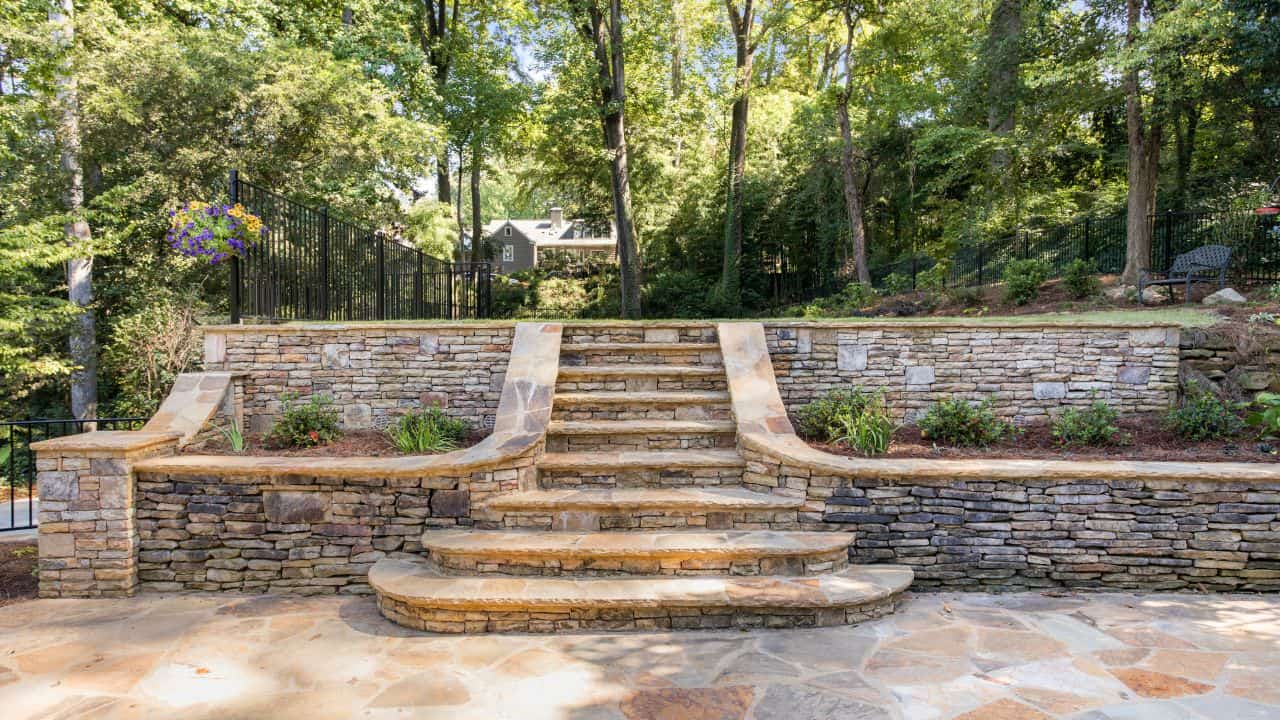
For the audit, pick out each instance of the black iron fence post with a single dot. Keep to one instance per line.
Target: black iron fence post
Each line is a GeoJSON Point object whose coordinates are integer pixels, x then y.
{"type": "Point", "coordinates": [418, 304]}
{"type": "Point", "coordinates": [980, 259]}
{"type": "Point", "coordinates": [1087, 225]}
{"type": "Point", "coordinates": [233, 194]}
{"type": "Point", "coordinates": [380, 276]}
{"type": "Point", "coordinates": [1168, 238]}
{"type": "Point", "coordinates": [324, 262]}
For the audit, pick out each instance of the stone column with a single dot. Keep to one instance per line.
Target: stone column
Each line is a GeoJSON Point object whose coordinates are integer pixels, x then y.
{"type": "Point", "coordinates": [88, 536]}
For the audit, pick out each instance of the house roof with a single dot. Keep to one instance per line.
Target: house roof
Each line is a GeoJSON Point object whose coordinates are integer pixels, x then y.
{"type": "Point", "coordinates": [544, 234]}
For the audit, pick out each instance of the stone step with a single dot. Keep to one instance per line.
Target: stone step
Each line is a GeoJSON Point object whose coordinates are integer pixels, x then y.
{"type": "Point", "coordinates": [588, 462]}
{"type": "Point", "coordinates": [726, 508]}
{"type": "Point", "coordinates": [706, 499]}
{"type": "Point", "coordinates": [641, 427]}
{"type": "Point", "coordinates": [574, 372]}
{"type": "Point", "coordinates": [731, 552]}
{"type": "Point", "coordinates": [415, 594]}
{"type": "Point", "coordinates": [640, 348]}
{"type": "Point", "coordinates": [596, 399]}
{"type": "Point", "coordinates": [641, 353]}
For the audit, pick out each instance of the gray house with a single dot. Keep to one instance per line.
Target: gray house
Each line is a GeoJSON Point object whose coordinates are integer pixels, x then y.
{"type": "Point", "coordinates": [518, 243]}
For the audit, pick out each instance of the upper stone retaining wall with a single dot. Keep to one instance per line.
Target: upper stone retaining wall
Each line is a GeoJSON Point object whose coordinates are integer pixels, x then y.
{"type": "Point", "coordinates": [1027, 370]}
{"type": "Point", "coordinates": [375, 370]}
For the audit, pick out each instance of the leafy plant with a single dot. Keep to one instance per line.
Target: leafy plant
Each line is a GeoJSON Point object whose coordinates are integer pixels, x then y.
{"type": "Point", "coordinates": [1023, 278]}
{"type": "Point", "coordinates": [966, 297]}
{"type": "Point", "coordinates": [309, 424]}
{"type": "Point", "coordinates": [1273, 293]}
{"type": "Point", "coordinates": [427, 431]}
{"type": "Point", "coordinates": [1081, 279]}
{"type": "Point", "coordinates": [935, 278]}
{"type": "Point", "coordinates": [858, 295]}
{"type": "Point", "coordinates": [896, 283]}
{"type": "Point", "coordinates": [1266, 417]}
{"type": "Point", "coordinates": [959, 422]}
{"type": "Point", "coordinates": [821, 419]}
{"type": "Point", "coordinates": [1095, 425]}
{"type": "Point", "coordinates": [1201, 415]}
{"type": "Point", "coordinates": [214, 232]}
{"type": "Point", "coordinates": [868, 431]}
{"type": "Point", "coordinates": [234, 436]}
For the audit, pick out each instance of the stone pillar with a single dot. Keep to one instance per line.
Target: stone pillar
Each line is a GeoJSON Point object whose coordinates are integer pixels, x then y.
{"type": "Point", "coordinates": [88, 536]}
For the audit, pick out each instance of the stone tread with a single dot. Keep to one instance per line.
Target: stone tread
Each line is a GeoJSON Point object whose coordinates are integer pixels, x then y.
{"type": "Point", "coordinates": [624, 371]}
{"type": "Point", "coordinates": [641, 347]}
{"type": "Point", "coordinates": [708, 499]}
{"type": "Point", "coordinates": [642, 398]}
{"type": "Point", "coordinates": [649, 545]}
{"type": "Point", "coordinates": [417, 583]}
{"type": "Point", "coordinates": [641, 459]}
{"type": "Point", "coordinates": [640, 427]}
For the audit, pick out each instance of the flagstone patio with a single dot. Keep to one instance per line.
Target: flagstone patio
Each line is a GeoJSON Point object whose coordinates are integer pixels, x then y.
{"type": "Point", "coordinates": [971, 656]}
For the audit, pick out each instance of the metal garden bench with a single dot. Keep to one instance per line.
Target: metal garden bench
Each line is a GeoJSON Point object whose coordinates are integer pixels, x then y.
{"type": "Point", "coordinates": [1199, 265]}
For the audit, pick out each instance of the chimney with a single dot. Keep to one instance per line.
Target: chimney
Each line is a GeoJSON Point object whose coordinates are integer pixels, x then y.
{"type": "Point", "coordinates": [557, 218]}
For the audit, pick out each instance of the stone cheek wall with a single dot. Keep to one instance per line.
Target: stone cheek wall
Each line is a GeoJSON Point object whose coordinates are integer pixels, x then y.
{"type": "Point", "coordinates": [373, 372]}
{"type": "Point", "coordinates": [1214, 358]}
{"type": "Point", "coordinates": [301, 535]}
{"type": "Point", "coordinates": [1028, 372]}
{"type": "Point", "coordinates": [1107, 533]}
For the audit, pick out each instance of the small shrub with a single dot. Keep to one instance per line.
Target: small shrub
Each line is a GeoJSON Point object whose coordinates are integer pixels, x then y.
{"type": "Point", "coordinates": [895, 284]}
{"type": "Point", "coordinates": [309, 424]}
{"type": "Point", "coordinates": [1273, 293]}
{"type": "Point", "coordinates": [1265, 416]}
{"type": "Point", "coordinates": [966, 297]}
{"type": "Point", "coordinates": [935, 278]}
{"type": "Point", "coordinates": [958, 422]}
{"type": "Point", "coordinates": [1093, 426]}
{"type": "Point", "coordinates": [1081, 279]}
{"type": "Point", "coordinates": [234, 436]}
{"type": "Point", "coordinates": [427, 431]}
{"type": "Point", "coordinates": [858, 295]}
{"type": "Point", "coordinates": [868, 431]}
{"type": "Point", "coordinates": [1202, 416]}
{"type": "Point", "coordinates": [1023, 278]}
{"type": "Point", "coordinates": [820, 419]}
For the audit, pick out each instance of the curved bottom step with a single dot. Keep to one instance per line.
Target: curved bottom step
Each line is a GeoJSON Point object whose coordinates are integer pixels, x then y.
{"type": "Point", "coordinates": [413, 593]}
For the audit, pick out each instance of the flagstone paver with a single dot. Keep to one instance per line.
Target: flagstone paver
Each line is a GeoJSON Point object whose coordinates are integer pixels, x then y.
{"type": "Point", "coordinates": [221, 656]}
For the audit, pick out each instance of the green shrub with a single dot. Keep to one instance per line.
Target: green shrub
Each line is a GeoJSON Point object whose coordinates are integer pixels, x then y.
{"type": "Point", "coordinates": [959, 422]}
{"type": "Point", "coordinates": [1266, 415]}
{"type": "Point", "coordinates": [858, 295]}
{"type": "Point", "coordinates": [895, 284]}
{"type": "Point", "coordinates": [820, 419]}
{"type": "Point", "coordinates": [1081, 279]}
{"type": "Point", "coordinates": [869, 430]}
{"type": "Point", "coordinates": [935, 278]}
{"type": "Point", "coordinates": [309, 424]}
{"type": "Point", "coordinates": [1202, 416]}
{"type": "Point", "coordinates": [1093, 426]}
{"type": "Point", "coordinates": [1273, 293]}
{"type": "Point", "coordinates": [148, 349]}
{"type": "Point", "coordinates": [967, 297]}
{"type": "Point", "coordinates": [427, 431]}
{"type": "Point", "coordinates": [1023, 278]}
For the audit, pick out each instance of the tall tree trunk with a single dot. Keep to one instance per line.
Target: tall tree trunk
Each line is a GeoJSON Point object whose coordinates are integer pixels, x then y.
{"type": "Point", "coordinates": [607, 43]}
{"type": "Point", "coordinates": [82, 344]}
{"type": "Point", "coordinates": [854, 190]}
{"type": "Point", "coordinates": [477, 232]}
{"type": "Point", "coordinates": [1004, 59]}
{"type": "Point", "coordinates": [744, 46]}
{"type": "Point", "coordinates": [462, 227]}
{"type": "Point", "coordinates": [1144, 135]}
{"type": "Point", "coordinates": [436, 25]}
{"type": "Point", "coordinates": [443, 190]}
{"type": "Point", "coordinates": [1185, 126]}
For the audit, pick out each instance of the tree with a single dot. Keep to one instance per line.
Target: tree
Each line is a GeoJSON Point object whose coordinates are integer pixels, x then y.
{"type": "Point", "coordinates": [1143, 131]}
{"type": "Point", "coordinates": [432, 228]}
{"type": "Point", "coordinates": [83, 342]}
{"type": "Point", "coordinates": [854, 187]}
{"type": "Point", "coordinates": [605, 34]}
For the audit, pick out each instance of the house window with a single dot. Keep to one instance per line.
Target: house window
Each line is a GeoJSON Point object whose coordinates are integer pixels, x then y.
{"type": "Point", "coordinates": [508, 252]}
{"type": "Point", "coordinates": [506, 232]}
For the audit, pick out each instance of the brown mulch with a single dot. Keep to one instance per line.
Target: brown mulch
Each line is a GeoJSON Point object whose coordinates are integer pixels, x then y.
{"type": "Point", "coordinates": [17, 576]}
{"type": "Point", "coordinates": [354, 443]}
{"type": "Point", "coordinates": [1148, 441]}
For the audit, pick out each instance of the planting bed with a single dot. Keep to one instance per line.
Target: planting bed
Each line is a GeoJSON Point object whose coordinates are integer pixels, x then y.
{"type": "Point", "coordinates": [354, 443]}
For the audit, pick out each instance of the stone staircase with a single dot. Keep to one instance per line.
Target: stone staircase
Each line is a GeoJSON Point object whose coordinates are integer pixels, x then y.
{"type": "Point", "coordinates": [639, 520]}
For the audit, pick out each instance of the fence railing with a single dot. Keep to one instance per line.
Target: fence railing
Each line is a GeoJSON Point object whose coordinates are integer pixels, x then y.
{"type": "Point", "coordinates": [1255, 240]}
{"type": "Point", "coordinates": [312, 265]}
{"type": "Point", "coordinates": [19, 495]}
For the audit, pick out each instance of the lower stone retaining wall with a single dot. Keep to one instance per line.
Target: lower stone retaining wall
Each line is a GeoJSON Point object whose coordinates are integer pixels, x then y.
{"type": "Point", "coordinates": [1109, 531]}
{"type": "Point", "coordinates": [291, 534]}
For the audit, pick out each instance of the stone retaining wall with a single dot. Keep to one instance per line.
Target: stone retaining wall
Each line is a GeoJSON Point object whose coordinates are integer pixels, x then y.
{"type": "Point", "coordinates": [372, 371]}
{"type": "Point", "coordinates": [1108, 531]}
{"type": "Point", "coordinates": [1027, 371]}
{"type": "Point", "coordinates": [296, 534]}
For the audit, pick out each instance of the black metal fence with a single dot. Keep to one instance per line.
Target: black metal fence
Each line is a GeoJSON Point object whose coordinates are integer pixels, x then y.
{"type": "Point", "coordinates": [1255, 240]}
{"type": "Point", "coordinates": [312, 265]}
{"type": "Point", "coordinates": [19, 496]}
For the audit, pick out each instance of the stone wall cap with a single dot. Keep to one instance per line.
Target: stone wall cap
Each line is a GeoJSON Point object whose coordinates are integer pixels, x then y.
{"type": "Point", "coordinates": [793, 451]}
{"type": "Point", "coordinates": [121, 441]}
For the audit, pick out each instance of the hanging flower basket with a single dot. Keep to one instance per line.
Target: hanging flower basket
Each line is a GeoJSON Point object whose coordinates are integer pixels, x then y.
{"type": "Point", "coordinates": [214, 232]}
